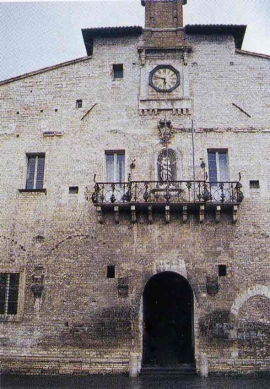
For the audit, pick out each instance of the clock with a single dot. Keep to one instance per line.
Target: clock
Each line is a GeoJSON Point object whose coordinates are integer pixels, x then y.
{"type": "Point", "coordinates": [164, 78]}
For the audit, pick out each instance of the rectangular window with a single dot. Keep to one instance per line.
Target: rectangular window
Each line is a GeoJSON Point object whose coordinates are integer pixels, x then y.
{"type": "Point", "coordinates": [118, 71]}
{"type": "Point", "coordinates": [218, 166]}
{"type": "Point", "coordinates": [115, 166]}
{"type": "Point", "coordinates": [222, 270]}
{"type": "Point", "coordinates": [110, 271]}
{"type": "Point", "coordinates": [254, 184]}
{"type": "Point", "coordinates": [73, 189]}
{"type": "Point", "coordinates": [9, 292]}
{"type": "Point", "coordinates": [78, 103]}
{"type": "Point", "coordinates": [35, 171]}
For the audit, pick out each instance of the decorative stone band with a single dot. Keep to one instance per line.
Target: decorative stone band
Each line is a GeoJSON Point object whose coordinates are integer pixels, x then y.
{"type": "Point", "coordinates": [176, 106]}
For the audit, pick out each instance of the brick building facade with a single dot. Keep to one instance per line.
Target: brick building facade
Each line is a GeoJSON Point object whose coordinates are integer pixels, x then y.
{"type": "Point", "coordinates": [135, 204]}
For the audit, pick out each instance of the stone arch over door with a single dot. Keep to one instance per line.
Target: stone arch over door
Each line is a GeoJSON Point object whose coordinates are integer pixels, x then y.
{"type": "Point", "coordinates": [168, 320]}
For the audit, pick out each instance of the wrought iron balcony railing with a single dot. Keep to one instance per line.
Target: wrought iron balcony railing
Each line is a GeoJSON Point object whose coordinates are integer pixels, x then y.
{"type": "Point", "coordinates": [156, 192]}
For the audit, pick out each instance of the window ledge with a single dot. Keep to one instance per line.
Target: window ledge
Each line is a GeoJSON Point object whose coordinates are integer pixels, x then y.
{"type": "Point", "coordinates": [33, 191]}
{"type": "Point", "coordinates": [11, 318]}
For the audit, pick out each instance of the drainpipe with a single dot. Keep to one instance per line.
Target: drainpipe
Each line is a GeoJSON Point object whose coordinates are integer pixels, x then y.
{"type": "Point", "coordinates": [193, 158]}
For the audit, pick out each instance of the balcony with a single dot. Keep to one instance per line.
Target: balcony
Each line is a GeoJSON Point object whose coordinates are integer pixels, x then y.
{"type": "Point", "coordinates": [168, 197]}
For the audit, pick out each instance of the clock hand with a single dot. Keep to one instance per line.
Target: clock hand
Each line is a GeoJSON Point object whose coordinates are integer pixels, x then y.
{"type": "Point", "coordinates": [161, 78]}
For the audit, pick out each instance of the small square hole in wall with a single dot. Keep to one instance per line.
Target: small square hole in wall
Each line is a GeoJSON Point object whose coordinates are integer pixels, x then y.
{"type": "Point", "coordinates": [222, 270]}
{"type": "Point", "coordinates": [73, 189]}
{"type": "Point", "coordinates": [110, 271]}
{"type": "Point", "coordinates": [78, 103]}
{"type": "Point", "coordinates": [118, 71]}
{"type": "Point", "coordinates": [254, 184]}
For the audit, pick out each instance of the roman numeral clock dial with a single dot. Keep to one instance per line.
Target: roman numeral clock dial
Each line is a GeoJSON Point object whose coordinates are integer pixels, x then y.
{"type": "Point", "coordinates": [164, 78]}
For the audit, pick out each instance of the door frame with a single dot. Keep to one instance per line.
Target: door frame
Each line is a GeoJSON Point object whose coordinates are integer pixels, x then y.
{"type": "Point", "coordinates": [196, 314]}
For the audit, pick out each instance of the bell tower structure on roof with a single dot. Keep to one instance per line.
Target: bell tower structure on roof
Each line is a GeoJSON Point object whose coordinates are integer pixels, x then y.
{"type": "Point", "coordinates": [163, 23]}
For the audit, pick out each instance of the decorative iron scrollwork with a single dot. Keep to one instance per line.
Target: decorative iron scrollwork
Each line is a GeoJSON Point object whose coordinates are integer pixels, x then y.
{"type": "Point", "coordinates": [166, 192]}
{"type": "Point", "coordinates": [238, 186]}
{"type": "Point", "coordinates": [206, 193]}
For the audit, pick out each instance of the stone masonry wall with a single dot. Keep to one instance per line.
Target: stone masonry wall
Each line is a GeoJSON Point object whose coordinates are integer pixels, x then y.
{"type": "Point", "coordinates": [82, 323]}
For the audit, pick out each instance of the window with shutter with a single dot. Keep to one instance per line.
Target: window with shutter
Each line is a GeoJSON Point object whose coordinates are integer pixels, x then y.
{"type": "Point", "coordinates": [35, 171]}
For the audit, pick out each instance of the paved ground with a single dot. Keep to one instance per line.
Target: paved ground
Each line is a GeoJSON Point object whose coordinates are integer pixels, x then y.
{"type": "Point", "coordinates": [123, 382]}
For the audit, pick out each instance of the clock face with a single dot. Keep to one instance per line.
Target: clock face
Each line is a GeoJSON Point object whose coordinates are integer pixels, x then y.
{"type": "Point", "coordinates": [164, 78]}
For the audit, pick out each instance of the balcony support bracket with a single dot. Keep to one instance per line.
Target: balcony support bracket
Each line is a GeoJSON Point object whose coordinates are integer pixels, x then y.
{"type": "Point", "coordinates": [99, 215]}
{"type": "Point", "coordinates": [235, 213]}
{"type": "Point", "coordinates": [201, 213]}
{"type": "Point", "coordinates": [218, 209]}
{"type": "Point", "coordinates": [150, 214]}
{"type": "Point", "coordinates": [116, 214]}
{"type": "Point", "coordinates": [133, 214]}
{"type": "Point", "coordinates": [167, 214]}
{"type": "Point", "coordinates": [185, 213]}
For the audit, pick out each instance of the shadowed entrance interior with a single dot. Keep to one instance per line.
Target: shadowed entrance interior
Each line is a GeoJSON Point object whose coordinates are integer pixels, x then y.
{"type": "Point", "coordinates": [168, 321]}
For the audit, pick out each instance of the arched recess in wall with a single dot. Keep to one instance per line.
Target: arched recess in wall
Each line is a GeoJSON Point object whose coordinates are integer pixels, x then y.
{"type": "Point", "coordinates": [253, 329]}
{"type": "Point", "coordinates": [243, 297]}
{"type": "Point", "coordinates": [167, 165]}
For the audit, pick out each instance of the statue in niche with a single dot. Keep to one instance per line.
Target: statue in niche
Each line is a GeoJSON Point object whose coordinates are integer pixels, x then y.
{"type": "Point", "coordinates": [166, 165]}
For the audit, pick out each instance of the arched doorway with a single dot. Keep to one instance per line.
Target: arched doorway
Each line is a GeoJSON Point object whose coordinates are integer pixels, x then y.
{"type": "Point", "coordinates": [168, 321]}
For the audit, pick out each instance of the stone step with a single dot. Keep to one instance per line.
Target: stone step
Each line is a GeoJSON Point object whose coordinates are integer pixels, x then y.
{"type": "Point", "coordinates": [183, 369]}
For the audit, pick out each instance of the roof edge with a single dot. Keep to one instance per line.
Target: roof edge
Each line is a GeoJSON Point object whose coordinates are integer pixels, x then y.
{"type": "Point", "coordinates": [252, 53]}
{"type": "Point", "coordinates": [237, 30]}
{"type": "Point", "coordinates": [107, 32]}
{"type": "Point", "coordinates": [44, 70]}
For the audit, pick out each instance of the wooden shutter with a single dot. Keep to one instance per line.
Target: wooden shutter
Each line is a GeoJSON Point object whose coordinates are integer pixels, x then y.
{"type": "Point", "coordinates": [212, 164]}
{"type": "Point", "coordinates": [223, 166]}
{"type": "Point", "coordinates": [30, 180]}
{"type": "Point", "coordinates": [40, 172]}
{"type": "Point", "coordinates": [120, 168]}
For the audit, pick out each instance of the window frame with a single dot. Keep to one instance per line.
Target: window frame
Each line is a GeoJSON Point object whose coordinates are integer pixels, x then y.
{"type": "Point", "coordinates": [79, 103]}
{"type": "Point", "coordinates": [27, 185]}
{"type": "Point", "coordinates": [6, 317]}
{"type": "Point", "coordinates": [118, 68]}
{"type": "Point", "coordinates": [218, 151]}
{"type": "Point", "coordinates": [115, 153]}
